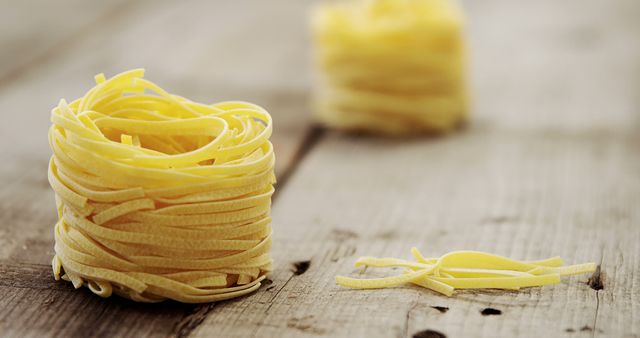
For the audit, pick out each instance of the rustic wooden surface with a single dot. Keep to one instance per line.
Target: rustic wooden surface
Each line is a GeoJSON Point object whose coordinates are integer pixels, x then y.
{"type": "Point", "coordinates": [548, 166]}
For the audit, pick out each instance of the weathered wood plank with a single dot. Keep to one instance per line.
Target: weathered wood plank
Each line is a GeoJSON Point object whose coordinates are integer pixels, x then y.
{"type": "Point", "coordinates": [208, 51]}
{"type": "Point", "coordinates": [34, 305]}
{"type": "Point", "coordinates": [199, 49]}
{"type": "Point", "coordinates": [271, 78]}
{"type": "Point", "coordinates": [32, 31]}
{"type": "Point", "coordinates": [535, 175]}
{"type": "Point", "coordinates": [527, 196]}
{"type": "Point", "coordinates": [548, 167]}
{"type": "Point", "coordinates": [561, 65]}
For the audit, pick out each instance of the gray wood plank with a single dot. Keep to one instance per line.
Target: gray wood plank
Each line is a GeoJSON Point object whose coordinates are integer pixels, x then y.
{"type": "Point", "coordinates": [32, 31]}
{"type": "Point", "coordinates": [563, 65]}
{"type": "Point", "coordinates": [35, 306]}
{"type": "Point", "coordinates": [547, 167]}
{"type": "Point", "coordinates": [527, 196]}
{"type": "Point", "coordinates": [207, 51]}
{"type": "Point", "coordinates": [270, 77]}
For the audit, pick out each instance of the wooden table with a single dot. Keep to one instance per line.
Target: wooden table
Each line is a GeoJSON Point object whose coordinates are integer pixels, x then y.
{"type": "Point", "coordinates": [549, 165]}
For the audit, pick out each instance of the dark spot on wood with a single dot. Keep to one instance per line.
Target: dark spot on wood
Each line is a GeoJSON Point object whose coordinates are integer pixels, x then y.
{"type": "Point", "coordinates": [341, 235]}
{"type": "Point", "coordinates": [490, 312]}
{"type": "Point", "coordinates": [500, 220]}
{"type": "Point", "coordinates": [305, 324]}
{"type": "Point", "coordinates": [270, 288]}
{"type": "Point", "coordinates": [569, 330]}
{"type": "Point", "coordinates": [586, 328]}
{"type": "Point", "coordinates": [429, 334]}
{"type": "Point", "coordinates": [442, 309]}
{"type": "Point", "coordinates": [595, 281]}
{"type": "Point", "coordinates": [387, 235]}
{"type": "Point", "coordinates": [301, 267]}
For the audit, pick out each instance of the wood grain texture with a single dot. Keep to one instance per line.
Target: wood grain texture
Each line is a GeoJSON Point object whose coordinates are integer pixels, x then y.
{"type": "Point", "coordinates": [549, 166]}
{"type": "Point", "coordinates": [216, 33]}
{"type": "Point", "coordinates": [523, 195]}
{"type": "Point", "coordinates": [563, 65]}
{"type": "Point", "coordinates": [32, 31]}
{"type": "Point", "coordinates": [207, 51]}
{"type": "Point", "coordinates": [34, 305]}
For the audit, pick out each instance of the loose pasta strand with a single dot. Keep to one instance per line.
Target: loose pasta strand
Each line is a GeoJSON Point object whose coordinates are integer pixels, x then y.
{"type": "Point", "coordinates": [466, 270]}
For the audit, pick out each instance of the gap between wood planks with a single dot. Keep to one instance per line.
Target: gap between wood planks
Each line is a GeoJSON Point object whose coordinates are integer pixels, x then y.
{"type": "Point", "coordinates": [38, 276]}
{"type": "Point", "coordinates": [306, 231]}
{"type": "Point", "coordinates": [35, 281]}
{"type": "Point", "coordinates": [597, 284]}
{"type": "Point", "coordinates": [192, 320]}
{"type": "Point", "coordinates": [311, 138]}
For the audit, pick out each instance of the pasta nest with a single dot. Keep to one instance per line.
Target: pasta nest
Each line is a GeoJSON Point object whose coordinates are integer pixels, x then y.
{"type": "Point", "coordinates": [392, 67]}
{"type": "Point", "coordinates": [159, 197]}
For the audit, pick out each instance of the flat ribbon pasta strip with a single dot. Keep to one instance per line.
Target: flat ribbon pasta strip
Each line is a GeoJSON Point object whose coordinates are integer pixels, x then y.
{"type": "Point", "coordinates": [465, 270]}
{"type": "Point", "coordinates": [159, 197]}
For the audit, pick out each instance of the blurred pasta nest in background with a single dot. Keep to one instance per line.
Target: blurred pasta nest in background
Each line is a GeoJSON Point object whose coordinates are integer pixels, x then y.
{"type": "Point", "coordinates": [390, 66]}
{"type": "Point", "coordinates": [160, 197]}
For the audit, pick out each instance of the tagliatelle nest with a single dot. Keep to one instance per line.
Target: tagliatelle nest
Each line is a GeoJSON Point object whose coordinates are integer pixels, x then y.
{"type": "Point", "coordinates": [160, 197]}
{"type": "Point", "coordinates": [394, 67]}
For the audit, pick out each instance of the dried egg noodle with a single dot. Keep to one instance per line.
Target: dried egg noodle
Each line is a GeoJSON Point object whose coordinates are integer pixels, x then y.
{"type": "Point", "coordinates": [466, 270]}
{"type": "Point", "coordinates": [390, 66]}
{"type": "Point", "coordinates": [160, 197]}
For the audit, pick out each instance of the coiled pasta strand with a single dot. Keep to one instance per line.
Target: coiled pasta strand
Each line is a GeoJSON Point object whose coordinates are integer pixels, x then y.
{"type": "Point", "coordinates": [159, 197]}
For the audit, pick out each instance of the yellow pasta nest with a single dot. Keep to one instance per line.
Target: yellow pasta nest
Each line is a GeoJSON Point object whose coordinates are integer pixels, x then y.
{"type": "Point", "coordinates": [390, 66]}
{"type": "Point", "coordinates": [466, 270]}
{"type": "Point", "coordinates": [160, 197]}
